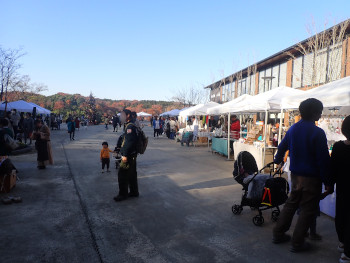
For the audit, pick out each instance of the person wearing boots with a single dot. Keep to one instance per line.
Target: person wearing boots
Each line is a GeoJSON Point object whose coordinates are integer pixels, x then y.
{"type": "Point", "coordinates": [127, 174]}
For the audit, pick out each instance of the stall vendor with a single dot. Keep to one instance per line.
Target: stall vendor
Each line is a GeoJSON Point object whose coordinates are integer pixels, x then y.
{"type": "Point", "coordinates": [235, 127]}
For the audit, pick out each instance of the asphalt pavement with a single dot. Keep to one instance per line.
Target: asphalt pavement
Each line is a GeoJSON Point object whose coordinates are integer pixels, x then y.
{"type": "Point", "coordinates": [183, 213]}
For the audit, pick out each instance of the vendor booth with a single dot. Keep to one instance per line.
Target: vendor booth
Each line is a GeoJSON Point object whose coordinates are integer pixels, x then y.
{"type": "Point", "coordinates": [335, 97]}
{"type": "Point", "coordinates": [259, 133]}
{"type": "Point", "coordinates": [220, 139]}
{"type": "Point", "coordinates": [257, 138]}
{"type": "Point", "coordinates": [23, 106]}
{"type": "Point", "coordinates": [198, 127]}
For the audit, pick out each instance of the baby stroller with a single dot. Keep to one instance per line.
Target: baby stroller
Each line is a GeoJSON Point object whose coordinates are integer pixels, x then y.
{"type": "Point", "coordinates": [260, 191]}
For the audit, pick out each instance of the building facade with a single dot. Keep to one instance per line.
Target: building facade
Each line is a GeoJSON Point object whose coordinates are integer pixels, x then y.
{"type": "Point", "coordinates": [317, 60]}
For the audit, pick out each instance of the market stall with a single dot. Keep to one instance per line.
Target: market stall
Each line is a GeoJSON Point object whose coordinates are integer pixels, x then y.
{"type": "Point", "coordinates": [335, 97]}
{"type": "Point", "coordinates": [199, 126]}
{"type": "Point", "coordinates": [258, 133]}
{"type": "Point", "coordinates": [221, 145]}
{"type": "Point", "coordinates": [23, 106]}
{"type": "Point", "coordinates": [267, 102]}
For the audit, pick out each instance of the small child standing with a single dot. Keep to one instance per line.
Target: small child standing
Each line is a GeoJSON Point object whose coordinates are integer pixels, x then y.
{"type": "Point", "coordinates": [104, 156]}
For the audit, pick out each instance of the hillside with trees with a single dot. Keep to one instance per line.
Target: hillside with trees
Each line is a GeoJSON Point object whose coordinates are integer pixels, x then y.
{"type": "Point", "coordinates": [76, 104]}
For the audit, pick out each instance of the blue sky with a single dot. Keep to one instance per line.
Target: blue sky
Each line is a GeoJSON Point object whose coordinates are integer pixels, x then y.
{"type": "Point", "coordinates": [149, 49]}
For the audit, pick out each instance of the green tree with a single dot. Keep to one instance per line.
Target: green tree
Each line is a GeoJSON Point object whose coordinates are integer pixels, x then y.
{"type": "Point", "coordinates": [91, 111]}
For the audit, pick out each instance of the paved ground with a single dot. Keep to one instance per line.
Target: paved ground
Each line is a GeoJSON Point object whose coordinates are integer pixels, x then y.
{"type": "Point", "coordinates": [183, 213]}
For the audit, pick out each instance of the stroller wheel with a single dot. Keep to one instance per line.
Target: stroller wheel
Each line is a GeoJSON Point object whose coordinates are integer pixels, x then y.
{"type": "Point", "coordinates": [275, 215]}
{"type": "Point", "coordinates": [258, 220]}
{"type": "Point", "coordinates": [237, 209]}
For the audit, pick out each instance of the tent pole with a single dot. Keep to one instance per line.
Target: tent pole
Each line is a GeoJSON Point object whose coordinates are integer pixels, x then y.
{"type": "Point", "coordinates": [280, 128]}
{"type": "Point", "coordinates": [265, 131]}
{"type": "Point", "coordinates": [240, 123]}
{"type": "Point", "coordinates": [208, 133]}
{"type": "Point", "coordinates": [228, 135]}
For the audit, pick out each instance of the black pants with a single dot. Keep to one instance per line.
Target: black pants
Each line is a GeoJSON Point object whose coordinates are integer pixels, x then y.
{"type": "Point", "coordinates": [105, 161]}
{"type": "Point", "coordinates": [156, 132]}
{"type": "Point", "coordinates": [342, 222]}
{"type": "Point", "coordinates": [305, 194]}
{"type": "Point", "coordinates": [127, 179]}
{"type": "Point", "coordinates": [71, 135]}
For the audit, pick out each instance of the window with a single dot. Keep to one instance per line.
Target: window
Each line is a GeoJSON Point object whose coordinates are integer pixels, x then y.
{"type": "Point", "coordinates": [308, 69]}
{"type": "Point", "coordinates": [243, 84]}
{"type": "Point", "coordinates": [297, 72]}
{"type": "Point", "coordinates": [252, 85]}
{"type": "Point", "coordinates": [233, 89]}
{"type": "Point", "coordinates": [334, 62]}
{"type": "Point", "coordinates": [283, 74]}
{"type": "Point", "coordinates": [274, 81]}
{"type": "Point", "coordinates": [261, 81]}
{"type": "Point", "coordinates": [321, 67]}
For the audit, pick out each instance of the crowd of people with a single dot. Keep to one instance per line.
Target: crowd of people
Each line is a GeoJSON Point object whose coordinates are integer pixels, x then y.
{"type": "Point", "coordinates": [310, 164]}
{"type": "Point", "coordinates": [168, 126]}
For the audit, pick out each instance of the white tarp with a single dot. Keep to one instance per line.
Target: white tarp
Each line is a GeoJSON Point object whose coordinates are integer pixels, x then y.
{"type": "Point", "coordinates": [268, 101]}
{"type": "Point", "coordinates": [143, 114]}
{"type": "Point", "coordinates": [172, 113]}
{"type": "Point", "coordinates": [40, 109]}
{"type": "Point", "coordinates": [23, 106]}
{"type": "Point", "coordinates": [228, 106]}
{"type": "Point", "coordinates": [200, 109]}
{"type": "Point", "coordinates": [333, 94]}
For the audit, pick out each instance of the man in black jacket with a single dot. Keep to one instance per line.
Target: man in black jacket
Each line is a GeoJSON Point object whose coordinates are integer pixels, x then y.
{"type": "Point", "coordinates": [127, 174]}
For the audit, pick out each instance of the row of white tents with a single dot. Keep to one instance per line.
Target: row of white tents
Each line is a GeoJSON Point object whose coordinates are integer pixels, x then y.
{"type": "Point", "coordinates": [23, 106]}
{"type": "Point", "coordinates": [334, 94]}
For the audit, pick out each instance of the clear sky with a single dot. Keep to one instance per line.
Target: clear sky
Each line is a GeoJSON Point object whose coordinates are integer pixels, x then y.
{"type": "Point", "coordinates": [149, 49]}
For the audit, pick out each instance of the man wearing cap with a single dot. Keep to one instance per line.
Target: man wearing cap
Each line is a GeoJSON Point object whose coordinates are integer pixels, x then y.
{"type": "Point", "coordinates": [127, 174]}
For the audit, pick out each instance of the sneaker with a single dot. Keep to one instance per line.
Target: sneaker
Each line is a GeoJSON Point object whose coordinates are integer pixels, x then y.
{"type": "Point", "coordinates": [108, 171]}
{"type": "Point", "coordinates": [344, 259]}
{"type": "Point", "coordinates": [133, 195]}
{"type": "Point", "coordinates": [304, 247]}
{"type": "Point", "coordinates": [341, 247]}
{"type": "Point", "coordinates": [119, 198]}
{"type": "Point", "coordinates": [315, 237]}
{"type": "Point", "coordinates": [285, 238]}
{"type": "Point", "coordinates": [102, 171]}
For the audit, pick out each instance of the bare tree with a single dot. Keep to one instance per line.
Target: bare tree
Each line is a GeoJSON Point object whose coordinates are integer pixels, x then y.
{"type": "Point", "coordinates": [8, 69]}
{"type": "Point", "coordinates": [21, 87]}
{"type": "Point", "coordinates": [322, 54]}
{"type": "Point", "coordinates": [190, 96]}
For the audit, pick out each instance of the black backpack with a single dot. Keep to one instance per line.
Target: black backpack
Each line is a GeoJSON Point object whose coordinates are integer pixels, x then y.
{"type": "Point", "coordinates": [142, 140]}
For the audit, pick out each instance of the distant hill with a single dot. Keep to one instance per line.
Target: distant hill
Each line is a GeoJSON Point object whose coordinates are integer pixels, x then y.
{"type": "Point", "coordinates": [76, 104]}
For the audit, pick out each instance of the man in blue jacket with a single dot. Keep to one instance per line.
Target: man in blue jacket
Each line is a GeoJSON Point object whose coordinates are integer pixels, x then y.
{"type": "Point", "coordinates": [309, 166]}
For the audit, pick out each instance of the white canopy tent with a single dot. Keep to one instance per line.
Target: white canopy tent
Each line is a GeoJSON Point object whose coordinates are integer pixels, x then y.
{"type": "Point", "coordinates": [228, 106]}
{"type": "Point", "coordinates": [144, 114]}
{"type": "Point", "coordinates": [200, 109]}
{"type": "Point", "coordinates": [333, 94]}
{"type": "Point", "coordinates": [40, 109]}
{"type": "Point", "coordinates": [172, 113]}
{"type": "Point", "coordinates": [268, 101]}
{"type": "Point", "coordinates": [23, 106]}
